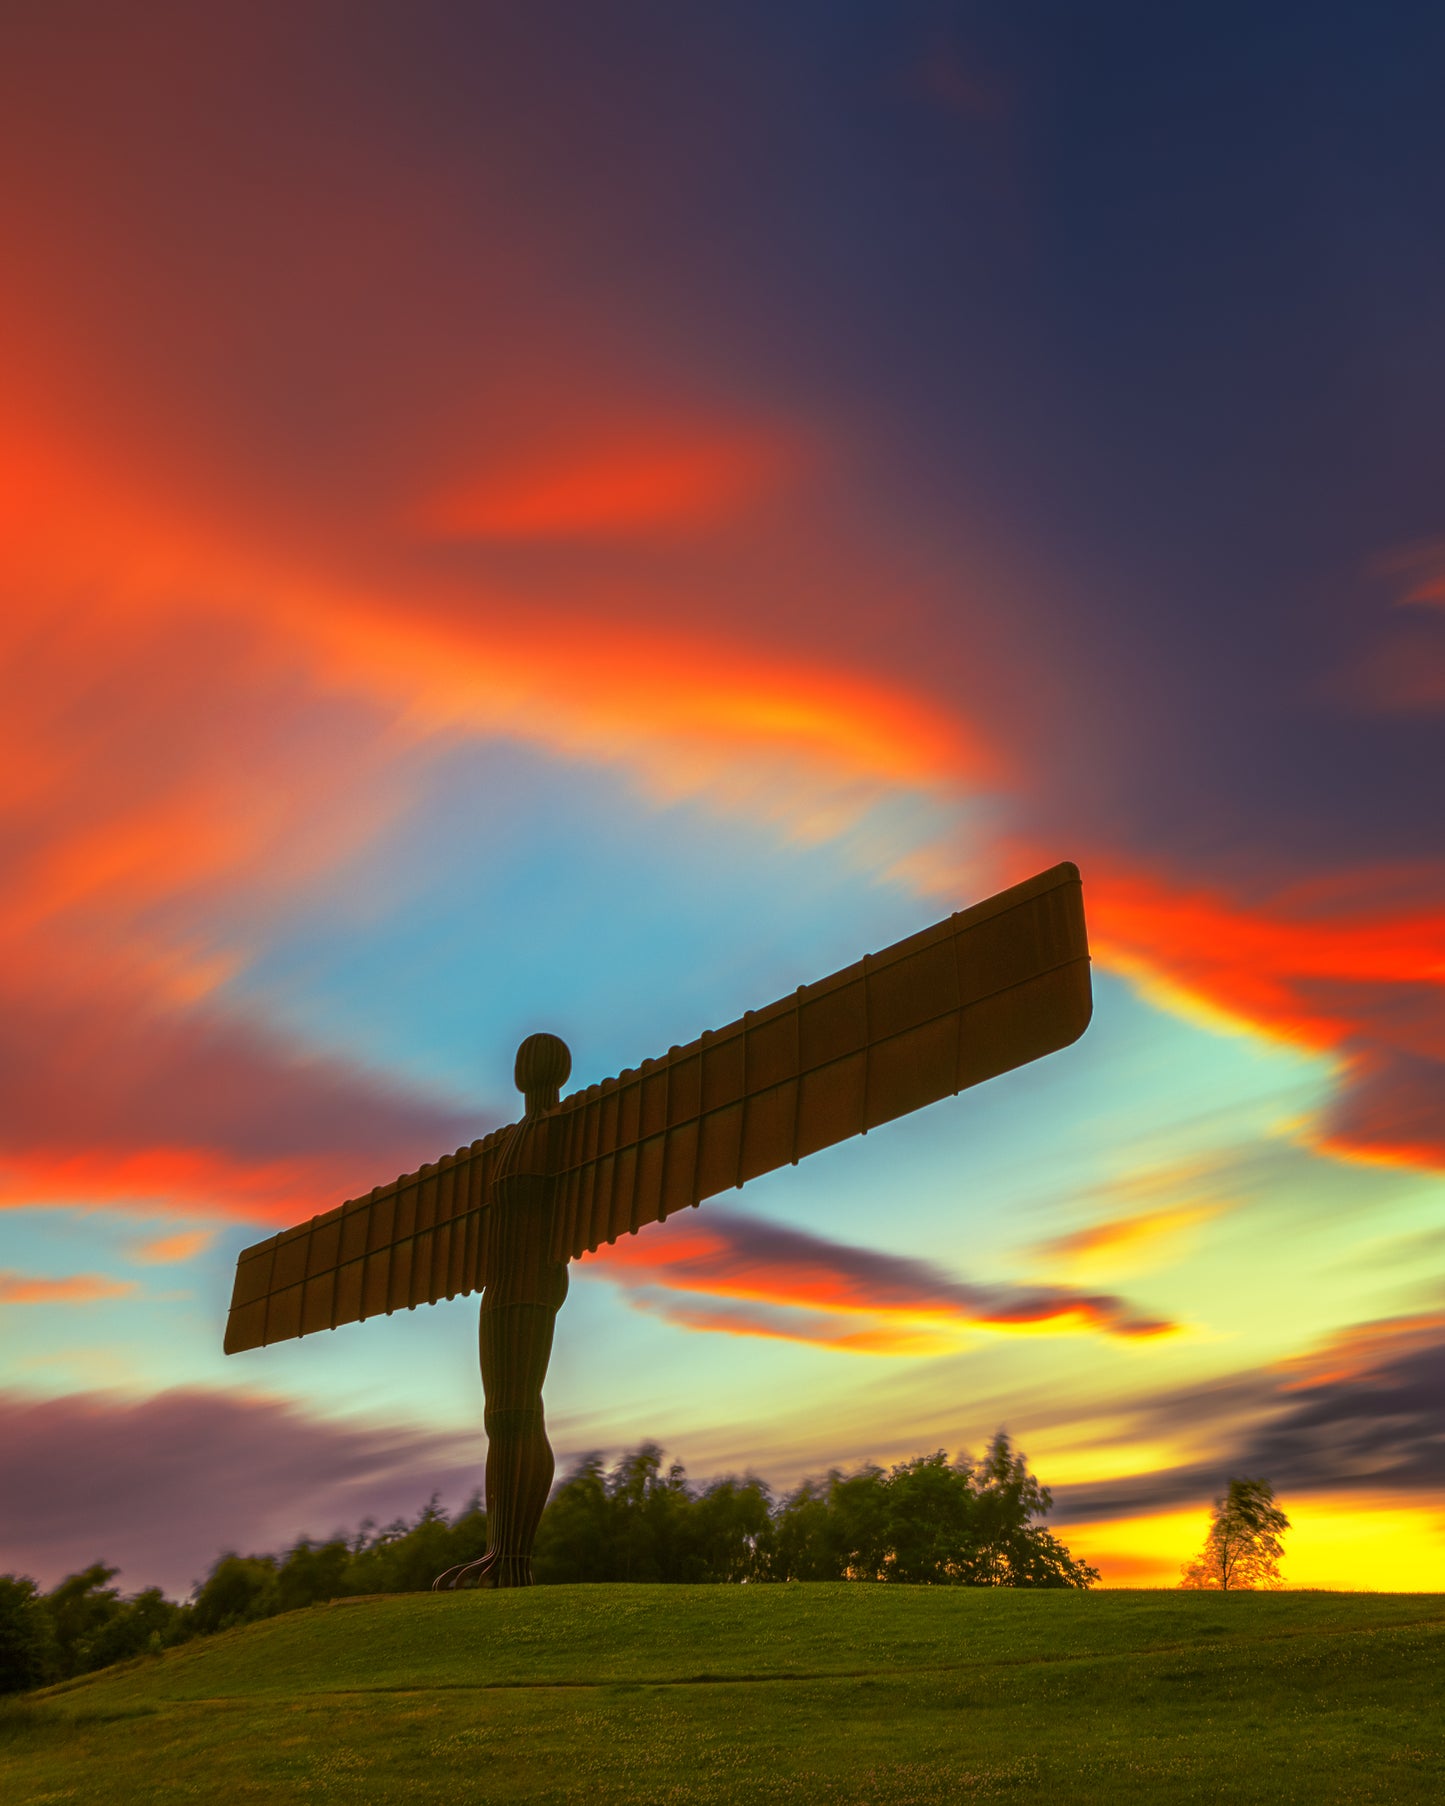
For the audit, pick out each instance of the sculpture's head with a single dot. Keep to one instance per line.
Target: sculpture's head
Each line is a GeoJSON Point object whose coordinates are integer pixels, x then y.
{"type": "Point", "coordinates": [544, 1063]}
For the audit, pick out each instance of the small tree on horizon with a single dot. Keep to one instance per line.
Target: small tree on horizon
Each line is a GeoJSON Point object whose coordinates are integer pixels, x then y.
{"type": "Point", "coordinates": [1242, 1550]}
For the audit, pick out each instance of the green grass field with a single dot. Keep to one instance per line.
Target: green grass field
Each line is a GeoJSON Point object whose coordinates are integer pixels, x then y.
{"type": "Point", "coordinates": [786, 1693]}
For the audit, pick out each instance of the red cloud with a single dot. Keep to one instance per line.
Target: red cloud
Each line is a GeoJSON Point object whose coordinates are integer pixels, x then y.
{"type": "Point", "coordinates": [763, 1279]}
{"type": "Point", "coordinates": [112, 1097]}
{"type": "Point", "coordinates": [1354, 967]}
{"type": "Point", "coordinates": [638, 482]}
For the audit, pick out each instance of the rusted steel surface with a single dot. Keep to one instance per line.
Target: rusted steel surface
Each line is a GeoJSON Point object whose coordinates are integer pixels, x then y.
{"type": "Point", "coordinates": [978, 994]}
{"type": "Point", "coordinates": [988, 989]}
{"type": "Point", "coordinates": [414, 1241]}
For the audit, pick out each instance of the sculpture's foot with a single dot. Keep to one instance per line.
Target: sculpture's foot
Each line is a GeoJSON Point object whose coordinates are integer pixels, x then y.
{"type": "Point", "coordinates": [511, 1571]}
{"type": "Point", "coordinates": [493, 1570]}
{"type": "Point", "coordinates": [467, 1573]}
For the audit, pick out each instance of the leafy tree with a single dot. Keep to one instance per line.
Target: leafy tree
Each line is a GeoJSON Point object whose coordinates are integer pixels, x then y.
{"type": "Point", "coordinates": [574, 1539]}
{"type": "Point", "coordinates": [28, 1656]}
{"type": "Point", "coordinates": [834, 1529]}
{"type": "Point", "coordinates": [1012, 1550]}
{"type": "Point", "coordinates": [311, 1573]}
{"type": "Point", "coordinates": [649, 1518]}
{"type": "Point", "coordinates": [732, 1529]}
{"type": "Point", "coordinates": [1243, 1547]}
{"type": "Point", "coordinates": [144, 1624]}
{"type": "Point", "coordinates": [645, 1522]}
{"type": "Point", "coordinates": [238, 1590]}
{"type": "Point", "coordinates": [928, 1521]}
{"type": "Point", "coordinates": [406, 1558]}
{"type": "Point", "coordinates": [90, 1625]}
{"type": "Point", "coordinates": [80, 1609]}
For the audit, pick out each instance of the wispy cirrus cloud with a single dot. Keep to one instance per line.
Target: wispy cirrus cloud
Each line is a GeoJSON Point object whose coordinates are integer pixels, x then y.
{"type": "Point", "coordinates": [742, 1276]}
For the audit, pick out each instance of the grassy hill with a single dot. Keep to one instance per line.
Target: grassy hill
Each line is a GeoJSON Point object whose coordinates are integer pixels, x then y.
{"type": "Point", "coordinates": [841, 1693]}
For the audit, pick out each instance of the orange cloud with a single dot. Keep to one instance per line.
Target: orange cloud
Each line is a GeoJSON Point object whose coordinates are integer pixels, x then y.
{"type": "Point", "coordinates": [1422, 569]}
{"type": "Point", "coordinates": [1128, 1240]}
{"type": "Point", "coordinates": [684, 710]}
{"type": "Point", "coordinates": [174, 1180]}
{"type": "Point", "coordinates": [174, 1250]}
{"type": "Point", "coordinates": [764, 1279]}
{"type": "Point", "coordinates": [119, 1095]}
{"type": "Point", "coordinates": [75, 1288]}
{"type": "Point", "coordinates": [820, 1330]}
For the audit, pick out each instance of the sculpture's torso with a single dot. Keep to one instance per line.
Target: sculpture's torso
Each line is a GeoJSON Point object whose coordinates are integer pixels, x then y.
{"type": "Point", "coordinates": [519, 1267]}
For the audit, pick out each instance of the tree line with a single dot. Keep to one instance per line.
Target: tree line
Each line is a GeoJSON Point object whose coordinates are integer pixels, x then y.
{"type": "Point", "coordinates": [928, 1521]}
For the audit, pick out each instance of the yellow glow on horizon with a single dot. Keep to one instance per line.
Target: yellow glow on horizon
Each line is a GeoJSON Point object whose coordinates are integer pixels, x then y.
{"type": "Point", "coordinates": [1380, 1546]}
{"type": "Point", "coordinates": [1346, 1545]}
{"type": "Point", "coordinates": [1139, 1552]}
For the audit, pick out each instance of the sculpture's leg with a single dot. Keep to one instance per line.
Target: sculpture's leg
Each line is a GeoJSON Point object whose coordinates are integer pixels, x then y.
{"type": "Point", "coordinates": [516, 1345]}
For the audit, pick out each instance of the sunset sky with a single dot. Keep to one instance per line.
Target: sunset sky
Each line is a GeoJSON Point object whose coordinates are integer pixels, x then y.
{"type": "Point", "coordinates": [585, 518]}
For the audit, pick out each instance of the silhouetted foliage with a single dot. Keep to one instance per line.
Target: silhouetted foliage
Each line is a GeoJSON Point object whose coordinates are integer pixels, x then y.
{"type": "Point", "coordinates": [143, 1624]}
{"type": "Point", "coordinates": [406, 1558]}
{"type": "Point", "coordinates": [641, 1523]}
{"type": "Point", "coordinates": [79, 1608]}
{"type": "Point", "coordinates": [238, 1590]}
{"type": "Point", "coordinates": [1242, 1550]}
{"type": "Point", "coordinates": [28, 1655]}
{"type": "Point", "coordinates": [930, 1521]}
{"type": "Point", "coordinates": [82, 1624]}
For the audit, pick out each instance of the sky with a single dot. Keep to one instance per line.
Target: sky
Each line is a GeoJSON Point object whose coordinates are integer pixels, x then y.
{"type": "Point", "coordinates": [585, 519]}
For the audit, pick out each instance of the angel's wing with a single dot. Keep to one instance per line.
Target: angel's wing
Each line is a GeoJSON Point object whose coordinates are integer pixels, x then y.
{"type": "Point", "coordinates": [978, 994]}
{"type": "Point", "coordinates": [411, 1242]}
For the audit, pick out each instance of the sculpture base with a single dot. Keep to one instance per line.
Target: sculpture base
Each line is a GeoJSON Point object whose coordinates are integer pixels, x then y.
{"type": "Point", "coordinates": [491, 1571]}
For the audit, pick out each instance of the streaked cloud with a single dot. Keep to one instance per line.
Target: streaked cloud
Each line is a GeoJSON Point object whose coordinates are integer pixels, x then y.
{"type": "Point", "coordinates": [115, 1098]}
{"type": "Point", "coordinates": [161, 1486]}
{"type": "Point", "coordinates": [70, 1288]}
{"type": "Point", "coordinates": [1360, 1413]}
{"type": "Point", "coordinates": [1128, 1243]}
{"type": "Point", "coordinates": [743, 1276]}
{"type": "Point", "coordinates": [174, 1250]}
{"type": "Point", "coordinates": [665, 480]}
